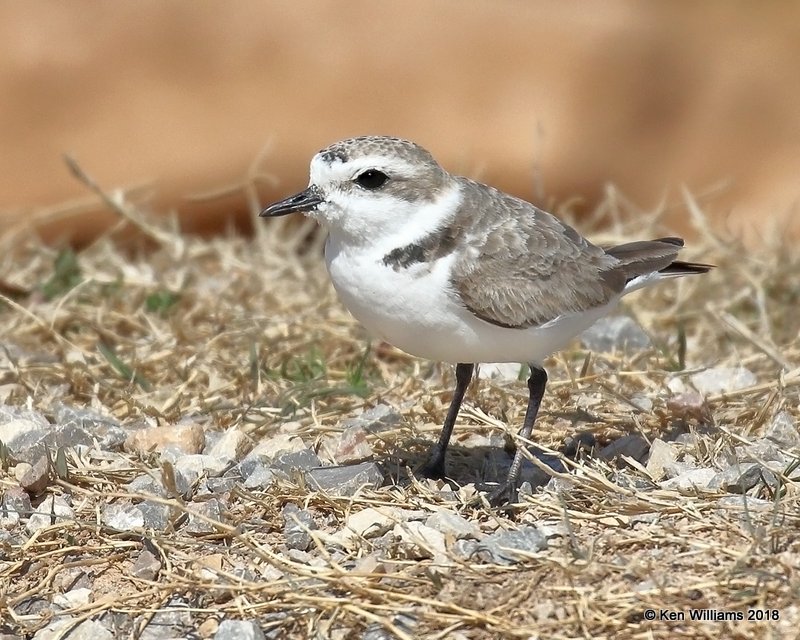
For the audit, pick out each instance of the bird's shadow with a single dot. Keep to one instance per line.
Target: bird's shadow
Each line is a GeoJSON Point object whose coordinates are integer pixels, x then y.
{"type": "Point", "coordinates": [485, 466]}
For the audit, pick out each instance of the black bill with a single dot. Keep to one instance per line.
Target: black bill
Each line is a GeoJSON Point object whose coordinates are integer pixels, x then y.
{"type": "Point", "coordinates": [303, 201]}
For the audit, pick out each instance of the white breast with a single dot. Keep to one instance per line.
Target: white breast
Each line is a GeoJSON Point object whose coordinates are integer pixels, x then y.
{"type": "Point", "coordinates": [416, 310]}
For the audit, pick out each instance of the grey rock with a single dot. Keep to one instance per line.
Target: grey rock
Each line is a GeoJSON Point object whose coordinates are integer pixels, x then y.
{"type": "Point", "coordinates": [15, 505]}
{"type": "Point", "coordinates": [506, 371]}
{"type": "Point", "coordinates": [35, 477]}
{"type": "Point", "coordinates": [261, 476]}
{"type": "Point", "coordinates": [662, 454]}
{"type": "Point", "coordinates": [297, 524]}
{"type": "Point", "coordinates": [345, 481]}
{"type": "Point", "coordinates": [14, 429]}
{"type": "Point", "coordinates": [232, 446]}
{"type": "Point", "coordinates": [109, 433]}
{"type": "Point", "coordinates": [689, 405]}
{"type": "Point", "coordinates": [33, 444]}
{"type": "Point", "coordinates": [269, 448]}
{"type": "Point", "coordinates": [36, 605]}
{"type": "Point", "coordinates": [404, 622]}
{"type": "Point", "coordinates": [465, 548]}
{"type": "Point", "coordinates": [10, 413]}
{"type": "Point", "coordinates": [225, 484]}
{"type": "Point", "coordinates": [560, 485]}
{"type": "Point", "coordinates": [147, 566]}
{"type": "Point", "coordinates": [146, 484]}
{"type": "Point", "coordinates": [644, 402]}
{"type": "Point", "coordinates": [189, 469]}
{"type": "Point", "coordinates": [722, 380]}
{"type": "Point", "coordinates": [371, 522]}
{"type": "Point", "coordinates": [451, 523]}
{"type": "Point", "coordinates": [740, 478]}
{"type": "Point", "coordinates": [375, 420]}
{"type": "Point", "coordinates": [690, 479]}
{"type": "Point", "coordinates": [172, 621]}
{"type": "Point", "coordinates": [239, 630]}
{"type": "Point", "coordinates": [123, 516]}
{"type": "Point", "coordinates": [292, 461]}
{"type": "Point", "coordinates": [615, 333]}
{"type": "Point", "coordinates": [744, 503]}
{"type": "Point", "coordinates": [420, 540]}
{"type": "Point", "coordinates": [352, 446]}
{"type": "Point", "coordinates": [761, 450]}
{"type": "Point", "coordinates": [628, 481]}
{"type": "Point", "coordinates": [210, 509]}
{"type": "Point", "coordinates": [91, 630]}
{"type": "Point", "coordinates": [510, 547]}
{"type": "Point", "coordinates": [783, 431]}
{"type": "Point", "coordinates": [54, 628]}
{"type": "Point", "coordinates": [73, 598]}
{"type": "Point", "coordinates": [23, 439]}
{"type": "Point", "coordinates": [52, 510]}
{"type": "Point", "coordinates": [156, 515]}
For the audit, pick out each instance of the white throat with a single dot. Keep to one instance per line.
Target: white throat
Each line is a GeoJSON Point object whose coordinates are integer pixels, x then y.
{"type": "Point", "coordinates": [386, 222]}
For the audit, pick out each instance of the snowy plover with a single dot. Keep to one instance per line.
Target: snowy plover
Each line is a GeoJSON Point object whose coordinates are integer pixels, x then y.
{"type": "Point", "coordinates": [449, 269]}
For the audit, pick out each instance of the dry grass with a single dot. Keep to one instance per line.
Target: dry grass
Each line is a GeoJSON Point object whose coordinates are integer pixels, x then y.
{"type": "Point", "coordinates": [248, 333]}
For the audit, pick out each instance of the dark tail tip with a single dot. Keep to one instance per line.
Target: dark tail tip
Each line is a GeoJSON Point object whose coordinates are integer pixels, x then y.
{"type": "Point", "coordinates": [680, 268]}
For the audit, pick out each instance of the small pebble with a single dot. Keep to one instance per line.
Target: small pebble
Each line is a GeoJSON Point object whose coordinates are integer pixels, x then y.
{"type": "Point", "coordinates": [239, 630]}
{"type": "Point", "coordinates": [510, 547]}
{"type": "Point", "coordinates": [662, 454]}
{"type": "Point", "coordinates": [722, 380]}
{"type": "Point", "coordinates": [297, 524]}
{"type": "Point", "coordinates": [783, 431]}
{"type": "Point", "coordinates": [157, 516]}
{"type": "Point", "coordinates": [147, 566]}
{"type": "Point", "coordinates": [188, 438]}
{"type": "Point", "coordinates": [293, 461]}
{"type": "Point", "coordinates": [375, 420]}
{"type": "Point", "coordinates": [52, 510]}
{"type": "Point", "coordinates": [420, 540]}
{"type": "Point", "coordinates": [123, 516]}
{"type": "Point", "coordinates": [209, 509]}
{"type": "Point", "coordinates": [73, 598]}
{"type": "Point", "coordinates": [352, 446]}
{"type": "Point", "coordinates": [345, 481]}
{"type": "Point", "coordinates": [694, 478]}
{"type": "Point", "coordinates": [453, 524]}
{"type": "Point", "coordinates": [615, 333]}
{"type": "Point", "coordinates": [231, 447]}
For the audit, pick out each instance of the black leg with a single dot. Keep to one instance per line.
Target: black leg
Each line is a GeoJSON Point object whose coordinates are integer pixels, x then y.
{"type": "Point", "coordinates": [434, 468]}
{"type": "Point", "coordinates": [536, 384]}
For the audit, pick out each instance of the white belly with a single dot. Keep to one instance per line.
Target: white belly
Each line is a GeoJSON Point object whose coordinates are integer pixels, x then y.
{"type": "Point", "coordinates": [416, 310]}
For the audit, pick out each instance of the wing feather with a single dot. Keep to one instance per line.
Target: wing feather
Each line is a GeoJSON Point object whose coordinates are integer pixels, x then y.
{"type": "Point", "coordinates": [525, 269]}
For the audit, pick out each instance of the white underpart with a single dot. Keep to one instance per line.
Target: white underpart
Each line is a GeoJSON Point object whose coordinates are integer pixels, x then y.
{"type": "Point", "coordinates": [416, 308]}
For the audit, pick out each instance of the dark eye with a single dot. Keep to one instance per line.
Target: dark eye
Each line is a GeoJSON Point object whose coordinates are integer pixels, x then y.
{"type": "Point", "coordinates": [371, 179]}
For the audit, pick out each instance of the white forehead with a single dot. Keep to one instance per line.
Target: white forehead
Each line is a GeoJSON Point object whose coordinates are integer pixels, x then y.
{"type": "Point", "coordinates": [326, 170]}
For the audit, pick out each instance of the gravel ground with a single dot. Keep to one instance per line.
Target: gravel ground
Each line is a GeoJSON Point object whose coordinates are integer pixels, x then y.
{"type": "Point", "coordinates": [199, 442]}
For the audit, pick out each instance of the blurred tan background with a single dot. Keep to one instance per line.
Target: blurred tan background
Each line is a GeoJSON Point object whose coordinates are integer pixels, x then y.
{"type": "Point", "coordinates": [551, 101]}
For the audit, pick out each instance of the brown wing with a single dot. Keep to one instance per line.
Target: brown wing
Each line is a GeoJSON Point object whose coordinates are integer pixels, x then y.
{"type": "Point", "coordinates": [528, 268]}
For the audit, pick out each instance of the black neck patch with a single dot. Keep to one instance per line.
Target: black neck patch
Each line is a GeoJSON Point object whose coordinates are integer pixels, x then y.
{"type": "Point", "coordinates": [428, 249]}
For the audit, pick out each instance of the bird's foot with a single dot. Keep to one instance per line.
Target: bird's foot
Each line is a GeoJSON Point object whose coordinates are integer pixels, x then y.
{"type": "Point", "coordinates": [504, 496]}
{"type": "Point", "coordinates": [434, 467]}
